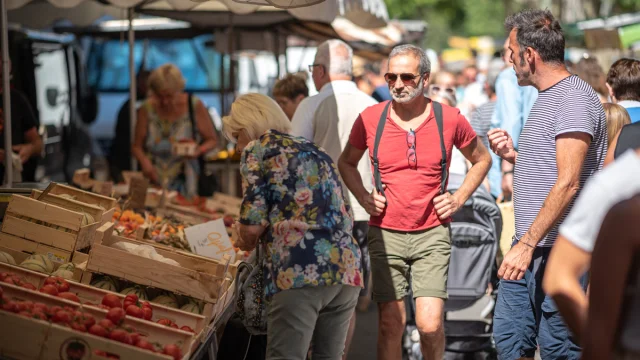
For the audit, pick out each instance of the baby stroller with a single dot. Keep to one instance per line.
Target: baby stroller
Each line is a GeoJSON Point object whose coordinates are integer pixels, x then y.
{"type": "Point", "coordinates": [475, 233]}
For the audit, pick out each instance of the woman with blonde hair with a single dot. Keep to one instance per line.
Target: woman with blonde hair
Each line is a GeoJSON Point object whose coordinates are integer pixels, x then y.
{"type": "Point", "coordinates": [617, 117]}
{"type": "Point", "coordinates": [171, 115]}
{"type": "Point", "coordinates": [295, 208]}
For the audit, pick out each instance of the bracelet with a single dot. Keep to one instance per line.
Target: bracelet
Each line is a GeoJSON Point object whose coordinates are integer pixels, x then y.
{"type": "Point", "coordinates": [529, 245]}
{"type": "Point", "coordinates": [507, 172]}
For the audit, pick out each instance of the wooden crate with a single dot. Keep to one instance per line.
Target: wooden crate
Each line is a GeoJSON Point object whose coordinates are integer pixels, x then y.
{"type": "Point", "coordinates": [108, 204]}
{"type": "Point", "coordinates": [31, 247]}
{"type": "Point", "coordinates": [90, 294]}
{"type": "Point", "coordinates": [70, 235]}
{"type": "Point", "coordinates": [195, 277]}
{"type": "Point", "coordinates": [78, 259]}
{"type": "Point", "coordinates": [154, 332]}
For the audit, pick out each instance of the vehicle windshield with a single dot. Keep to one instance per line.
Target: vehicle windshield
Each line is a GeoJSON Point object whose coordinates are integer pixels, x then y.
{"type": "Point", "coordinates": [108, 62]}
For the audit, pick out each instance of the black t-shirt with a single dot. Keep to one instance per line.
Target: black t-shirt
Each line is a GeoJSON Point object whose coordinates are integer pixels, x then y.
{"type": "Point", "coordinates": [629, 139]}
{"type": "Point", "coordinates": [22, 120]}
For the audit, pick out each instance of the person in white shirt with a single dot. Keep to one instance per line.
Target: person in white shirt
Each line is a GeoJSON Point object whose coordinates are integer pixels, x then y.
{"type": "Point", "coordinates": [572, 254]}
{"type": "Point", "coordinates": [327, 118]}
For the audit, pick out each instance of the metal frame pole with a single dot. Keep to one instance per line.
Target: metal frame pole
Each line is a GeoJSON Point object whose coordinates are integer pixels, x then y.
{"type": "Point", "coordinates": [6, 95]}
{"type": "Point", "coordinates": [132, 84]}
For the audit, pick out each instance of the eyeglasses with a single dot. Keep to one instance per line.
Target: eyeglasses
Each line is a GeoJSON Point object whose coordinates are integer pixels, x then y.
{"type": "Point", "coordinates": [434, 89]}
{"type": "Point", "coordinates": [312, 66]}
{"type": "Point", "coordinates": [412, 157]}
{"type": "Point", "coordinates": [406, 78]}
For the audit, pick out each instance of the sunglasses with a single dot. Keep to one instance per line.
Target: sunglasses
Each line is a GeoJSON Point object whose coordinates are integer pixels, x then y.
{"type": "Point", "coordinates": [412, 157]}
{"type": "Point", "coordinates": [406, 78]}
{"type": "Point", "coordinates": [434, 89]}
{"type": "Point", "coordinates": [312, 66]}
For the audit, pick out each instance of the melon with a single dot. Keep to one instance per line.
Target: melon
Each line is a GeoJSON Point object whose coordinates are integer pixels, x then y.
{"type": "Point", "coordinates": [67, 196]}
{"type": "Point", "coordinates": [38, 262]}
{"type": "Point", "coordinates": [87, 219]}
{"type": "Point", "coordinates": [105, 283]}
{"type": "Point", "coordinates": [192, 308]}
{"type": "Point", "coordinates": [68, 266]}
{"type": "Point", "coordinates": [166, 300]}
{"type": "Point", "coordinates": [63, 273]}
{"type": "Point", "coordinates": [142, 295]}
{"type": "Point", "coordinates": [198, 303]}
{"type": "Point", "coordinates": [6, 258]}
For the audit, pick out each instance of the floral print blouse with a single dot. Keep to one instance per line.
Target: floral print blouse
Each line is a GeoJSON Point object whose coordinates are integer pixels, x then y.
{"type": "Point", "coordinates": [293, 187]}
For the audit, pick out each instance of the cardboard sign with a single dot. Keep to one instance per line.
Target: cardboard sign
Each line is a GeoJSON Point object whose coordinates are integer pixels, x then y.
{"type": "Point", "coordinates": [211, 240]}
{"type": "Point", "coordinates": [138, 192]}
{"type": "Point", "coordinates": [103, 188]}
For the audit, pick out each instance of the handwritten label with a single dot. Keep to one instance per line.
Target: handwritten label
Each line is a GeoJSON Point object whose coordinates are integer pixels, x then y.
{"type": "Point", "coordinates": [210, 239]}
{"type": "Point", "coordinates": [138, 192]}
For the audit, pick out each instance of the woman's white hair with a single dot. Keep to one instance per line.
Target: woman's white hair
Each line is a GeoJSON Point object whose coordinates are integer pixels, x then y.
{"type": "Point", "coordinates": [336, 56]}
{"type": "Point", "coordinates": [255, 113]}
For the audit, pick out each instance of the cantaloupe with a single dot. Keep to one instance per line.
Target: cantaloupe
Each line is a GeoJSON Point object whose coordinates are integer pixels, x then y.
{"type": "Point", "coordinates": [7, 258]}
{"type": "Point", "coordinates": [87, 219]}
{"type": "Point", "coordinates": [65, 271]}
{"type": "Point", "coordinates": [38, 262]}
{"type": "Point", "coordinates": [166, 300]}
{"type": "Point", "coordinates": [192, 308]}
{"type": "Point", "coordinates": [142, 295]}
{"type": "Point", "coordinates": [105, 283]}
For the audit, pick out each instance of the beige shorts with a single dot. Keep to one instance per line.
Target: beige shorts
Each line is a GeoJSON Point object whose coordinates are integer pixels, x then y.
{"type": "Point", "coordinates": [399, 258]}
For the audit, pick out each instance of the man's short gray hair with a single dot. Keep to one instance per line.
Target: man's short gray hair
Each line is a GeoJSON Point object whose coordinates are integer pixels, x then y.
{"type": "Point", "coordinates": [336, 56]}
{"type": "Point", "coordinates": [418, 53]}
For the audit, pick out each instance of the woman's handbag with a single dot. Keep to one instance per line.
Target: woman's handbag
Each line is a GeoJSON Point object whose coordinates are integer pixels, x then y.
{"type": "Point", "coordinates": [250, 305]}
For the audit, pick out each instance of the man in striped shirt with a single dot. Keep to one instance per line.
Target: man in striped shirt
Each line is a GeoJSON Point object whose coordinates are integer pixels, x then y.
{"type": "Point", "coordinates": [563, 143]}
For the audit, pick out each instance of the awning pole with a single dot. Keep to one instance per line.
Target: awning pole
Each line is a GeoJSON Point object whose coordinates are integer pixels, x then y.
{"type": "Point", "coordinates": [6, 96]}
{"type": "Point", "coordinates": [132, 85]}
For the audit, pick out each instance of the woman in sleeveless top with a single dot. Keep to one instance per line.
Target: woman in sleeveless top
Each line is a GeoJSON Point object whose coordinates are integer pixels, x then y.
{"type": "Point", "coordinates": [166, 118]}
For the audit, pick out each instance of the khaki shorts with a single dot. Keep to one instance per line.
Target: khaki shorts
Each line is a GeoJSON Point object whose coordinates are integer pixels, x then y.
{"type": "Point", "coordinates": [398, 257]}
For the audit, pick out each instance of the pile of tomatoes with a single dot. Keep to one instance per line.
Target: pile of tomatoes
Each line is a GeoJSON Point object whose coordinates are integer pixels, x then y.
{"type": "Point", "coordinates": [111, 327]}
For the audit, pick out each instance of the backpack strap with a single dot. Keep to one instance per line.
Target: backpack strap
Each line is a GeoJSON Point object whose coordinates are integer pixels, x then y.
{"type": "Point", "coordinates": [192, 117]}
{"type": "Point", "coordinates": [437, 110]}
{"type": "Point", "coordinates": [376, 168]}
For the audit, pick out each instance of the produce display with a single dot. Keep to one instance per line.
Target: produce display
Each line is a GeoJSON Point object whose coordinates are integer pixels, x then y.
{"type": "Point", "coordinates": [103, 313]}
{"type": "Point", "coordinates": [111, 326]}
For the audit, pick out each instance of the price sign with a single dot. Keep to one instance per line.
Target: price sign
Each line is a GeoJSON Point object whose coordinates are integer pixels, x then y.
{"type": "Point", "coordinates": [210, 239]}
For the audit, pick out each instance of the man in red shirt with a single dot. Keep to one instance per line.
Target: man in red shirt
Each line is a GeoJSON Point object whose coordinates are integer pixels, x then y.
{"type": "Point", "coordinates": [409, 233]}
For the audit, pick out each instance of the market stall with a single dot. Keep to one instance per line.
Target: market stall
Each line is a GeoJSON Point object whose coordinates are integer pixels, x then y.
{"type": "Point", "coordinates": [114, 276]}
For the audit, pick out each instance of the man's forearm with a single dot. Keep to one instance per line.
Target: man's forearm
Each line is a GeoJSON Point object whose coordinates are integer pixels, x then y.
{"type": "Point", "coordinates": [507, 166]}
{"type": "Point", "coordinates": [352, 179]}
{"type": "Point", "coordinates": [473, 179]}
{"type": "Point", "coordinates": [552, 209]}
{"type": "Point", "coordinates": [573, 305]}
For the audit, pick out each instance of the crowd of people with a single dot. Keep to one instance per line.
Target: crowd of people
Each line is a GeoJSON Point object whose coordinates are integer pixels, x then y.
{"type": "Point", "coordinates": [346, 192]}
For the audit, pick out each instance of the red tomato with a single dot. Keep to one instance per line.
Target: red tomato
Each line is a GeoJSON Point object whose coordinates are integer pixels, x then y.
{"type": "Point", "coordinates": [116, 315]}
{"type": "Point", "coordinates": [40, 307]}
{"type": "Point", "coordinates": [39, 315]}
{"type": "Point", "coordinates": [78, 327]}
{"type": "Point", "coordinates": [49, 289]}
{"type": "Point", "coordinates": [174, 325]}
{"type": "Point", "coordinates": [61, 284]}
{"type": "Point", "coordinates": [134, 337]}
{"type": "Point", "coordinates": [133, 310]}
{"type": "Point", "coordinates": [112, 301]}
{"type": "Point", "coordinates": [86, 319]}
{"type": "Point", "coordinates": [24, 305]}
{"type": "Point", "coordinates": [147, 313]}
{"type": "Point", "coordinates": [131, 299]}
{"type": "Point", "coordinates": [9, 306]}
{"type": "Point", "coordinates": [165, 322]}
{"type": "Point", "coordinates": [61, 317]}
{"type": "Point", "coordinates": [52, 311]}
{"type": "Point", "coordinates": [25, 313]}
{"type": "Point", "coordinates": [98, 330]}
{"type": "Point", "coordinates": [120, 335]}
{"type": "Point", "coordinates": [173, 350]}
{"type": "Point", "coordinates": [107, 324]}
{"type": "Point", "coordinates": [144, 344]}
{"type": "Point", "coordinates": [69, 296]}
{"type": "Point", "coordinates": [186, 328]}
{"type": "Point", "coordinates": [29, 286]}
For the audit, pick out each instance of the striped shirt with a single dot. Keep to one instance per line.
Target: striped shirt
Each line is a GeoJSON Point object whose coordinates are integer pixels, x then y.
{"type": "Point", "coordinates": [481, 121]}
{"type": "Point", "coordinates": [570, 105]}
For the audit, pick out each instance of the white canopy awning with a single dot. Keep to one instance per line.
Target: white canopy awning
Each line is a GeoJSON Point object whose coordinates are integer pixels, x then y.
{"type": "Point", "coordinates": [39, 14]}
